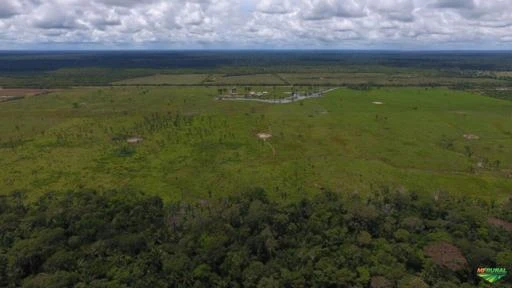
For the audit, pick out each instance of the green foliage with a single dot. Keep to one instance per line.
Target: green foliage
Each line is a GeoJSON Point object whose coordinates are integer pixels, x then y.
{"type": "Point", "coordinates": [193, 147]}
{"type": "Point", "coordinates": [124, 151]}
{"type": "Point", "coordinates": [412, 282]}
{"type": "Point", "coordinates": [115, 239]}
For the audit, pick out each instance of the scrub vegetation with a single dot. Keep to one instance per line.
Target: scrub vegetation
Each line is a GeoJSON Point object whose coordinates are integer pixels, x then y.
{"type": "Point", "coordinates": [421, 139]}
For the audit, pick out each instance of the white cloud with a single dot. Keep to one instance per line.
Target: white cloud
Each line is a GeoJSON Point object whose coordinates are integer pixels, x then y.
{"type": "Point", "coordinates": [457, 4]}
{"type": "Point", "coordinates": [9, 8]}
{"type": "Point", "coordinates": [56, 16]}
{"type": "Point", "coordinates": [400, 10]}
{"type": "Point", "coordinates": [275, 7]}
{"type": "Point", "coordinates": [324, 9]}
{"type": "Point", "coordinates": [257, 23]}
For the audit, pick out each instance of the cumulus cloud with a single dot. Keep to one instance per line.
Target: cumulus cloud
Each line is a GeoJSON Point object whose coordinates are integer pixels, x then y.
{"type": "Point", "coordinates": [415, 24]}
{"type": "Point", "coordinates": [8, 8]}
{"type": "Point", "coordinates": [324, 9]}
{"type": "Point", "coordinates": [55, 16]}
{"type": "Point", "coordinates": [400, 10]}
{"type": "Point", "coordinates": [457, 4]}
{"type": "Point", "coordinates": [275, 7]}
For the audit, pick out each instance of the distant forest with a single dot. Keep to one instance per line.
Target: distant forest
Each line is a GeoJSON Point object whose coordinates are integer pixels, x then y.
{"type": "Point", "coordinates": [391, 239]}
{"type": "Point", "coordinates": [18, 62]}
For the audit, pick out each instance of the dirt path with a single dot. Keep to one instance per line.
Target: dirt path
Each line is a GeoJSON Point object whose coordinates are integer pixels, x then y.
{"type": "Point", "coordinates": [286, 100]}
{"type": "Point", "coordinates": [19, 93]}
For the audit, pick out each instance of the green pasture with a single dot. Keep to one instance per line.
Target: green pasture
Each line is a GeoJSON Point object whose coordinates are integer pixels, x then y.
{"type": "Point", "coordinates": [195, 147]}
{"type": "Point", "coordinates": [398, 78]}
{"type": "Point", "coordinates": [166, 79]}
{"type": "Point", "coordinates": [247, 79]}
{"type": "Point", "coordinates": [207, 79]}
{"type": "Point", "coordinates": [413, 78]}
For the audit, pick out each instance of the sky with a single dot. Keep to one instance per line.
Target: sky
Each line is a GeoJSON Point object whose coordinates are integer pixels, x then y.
{"type": "Point", "coordinates": [256, 24]}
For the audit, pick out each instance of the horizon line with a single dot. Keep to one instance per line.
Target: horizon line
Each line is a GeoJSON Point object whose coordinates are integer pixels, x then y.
{"type": "Point", "coordinates": [253, 50]}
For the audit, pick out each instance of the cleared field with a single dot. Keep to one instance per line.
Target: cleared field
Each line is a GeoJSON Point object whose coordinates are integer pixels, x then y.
{"type": "Point", "coordinates": [311, 78]}
{"type": "Point", "coordinates": [17, 94]}
{"type": "Point", "coordinates": [23, 92]}
{"type": "Point", "coordinates": [190, 146]}
{"type": "Point", "coordinates": [332, 78]}
{"type": "Point", "coordinates": [504, 74]}
{"type": "Point", "coordinates": [3, 81]}
{"type": "Point", "coordinates": [381, 79]}
{"type": "Point", "coordinates": [252, 79]}
{"type": "Point", "coordinates": [165, 79]}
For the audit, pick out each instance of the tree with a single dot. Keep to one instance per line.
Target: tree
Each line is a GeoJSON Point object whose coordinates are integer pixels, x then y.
{"type": "Point", "coordinates": [253, 274]}
{"type": "Point", "coordinates": [401, 235]}
{"type": "Point", "coordinates": [364, 238]}
{"type": "Point", "coordinates": [3, 271]}
{"type": "Point", "coordinates": [412, 282]}
{"type": "Point", "coordinates": [269, 282]}
{"type": "Point", "coordinates": [364, 276]}
{"type": "Point", "coordinates": [60, 279]}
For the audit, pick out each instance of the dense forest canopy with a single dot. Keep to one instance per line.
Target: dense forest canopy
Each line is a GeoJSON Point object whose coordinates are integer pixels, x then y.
{"type": "Point", "coordinates": [391, 239]}
{"type": "Point", "coordinates": [64, 69]}
{"type": "Point", "coordinates": [48, 61]}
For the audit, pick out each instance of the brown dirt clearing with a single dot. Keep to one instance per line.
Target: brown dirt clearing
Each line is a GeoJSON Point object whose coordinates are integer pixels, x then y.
{"type": "Point", "coordinates": [447, 255]}
{"type": "Point", "coordinates": [500, 223]}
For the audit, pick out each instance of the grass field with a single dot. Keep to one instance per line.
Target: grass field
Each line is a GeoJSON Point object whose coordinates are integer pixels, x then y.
{"type": "Point", "coordinates": [504, 74]}
{"type": "Point", "coordinates": [209, 79]}
{"type": "Point", "coordinates": [249, 79]}
{"type": "Point", "coordinates": [22, 92]}
{"type": "Point", "coordinates": [166, 79]}
{"type": "Point", "coordinates": [195, 147]}
{"type": "Point", "coordinates": [403, 78]}
{"type": "Point", "coordinates": [384, 79]}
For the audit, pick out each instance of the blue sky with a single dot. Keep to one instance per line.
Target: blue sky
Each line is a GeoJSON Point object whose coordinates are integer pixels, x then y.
{"type": "Point", "coordinates": [252, 24]}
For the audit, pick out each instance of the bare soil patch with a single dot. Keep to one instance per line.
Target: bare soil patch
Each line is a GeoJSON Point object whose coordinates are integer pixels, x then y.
{"type": "Point", "coordinates": [447, 255]}
{"type": "Point", "coordinates": [471, 137]}
{"type": "Point", "coordinates": [500, 223]}
{"type": "Point", "coordinates": [264, 136]}
{"type": "Point", "coordinates": [10, 98]}
{"type": "Point", "coordinates": [134, 140]}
